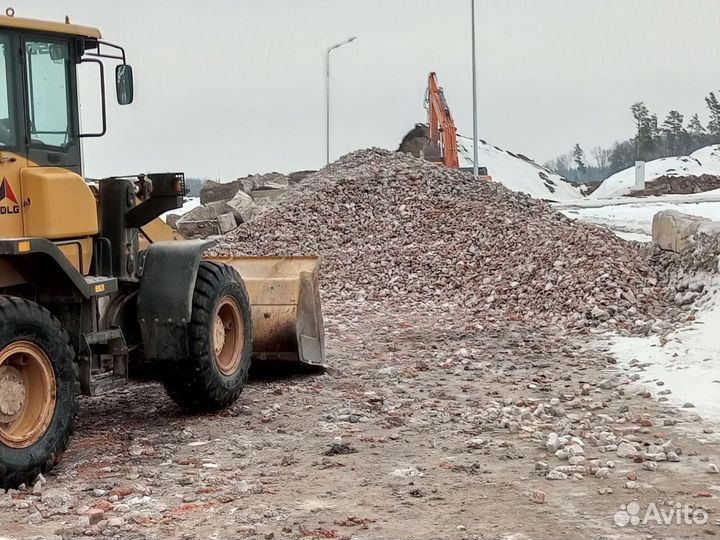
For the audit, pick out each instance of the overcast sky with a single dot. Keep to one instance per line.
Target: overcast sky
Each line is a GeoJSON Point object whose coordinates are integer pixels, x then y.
{"type": "Point", "coordinates": [237, 86]}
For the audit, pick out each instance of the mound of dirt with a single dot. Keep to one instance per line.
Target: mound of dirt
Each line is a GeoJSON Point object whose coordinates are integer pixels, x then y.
{"type": "Point", "coordinates": [679, 185]}
{"type": "Point", "coordinates": [397, 230]}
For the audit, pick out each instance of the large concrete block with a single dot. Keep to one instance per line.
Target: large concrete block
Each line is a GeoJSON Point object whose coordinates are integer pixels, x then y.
{"type": "Point", "coordinates": [172, 219]}
{"type": "Point", "coordinates": [247, 184]}
{"type": "Point", "coordinates": [226, 223]}
{"type": "Point", "coordinates": [674, 231]}
{"type": "Point", "coordinates": [198, 228]}
{"type": "Point", "coordinates": [242, 206]}
{"type": "Point", "coordinates": [224, 191]}
{"type": "Point", "coordinates": [202, 221]}
{"type": "Point", "coordinates": [217, 191]}
{"type": "Point", "coordinates": [298, 176]}
{"type": "Point", "coordinates": [266, 193]}
{"type": "Point", "coordinates": [270, 181]}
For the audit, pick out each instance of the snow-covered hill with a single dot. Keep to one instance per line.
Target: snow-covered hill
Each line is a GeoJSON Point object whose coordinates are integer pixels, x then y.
{"type": "Point", "coordinates": [703, 161]}
{"type": "Point", "coordinates": [518, 172]}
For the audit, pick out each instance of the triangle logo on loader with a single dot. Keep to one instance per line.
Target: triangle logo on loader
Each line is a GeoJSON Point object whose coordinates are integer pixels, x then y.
{"type": "Point", "coordinates": [6, 191]}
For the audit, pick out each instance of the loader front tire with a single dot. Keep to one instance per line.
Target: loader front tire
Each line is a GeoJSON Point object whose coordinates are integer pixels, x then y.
{"type": "Point", "coordinates": [220, 339]}
{"type": "Point", "coordinates": [38, 389]}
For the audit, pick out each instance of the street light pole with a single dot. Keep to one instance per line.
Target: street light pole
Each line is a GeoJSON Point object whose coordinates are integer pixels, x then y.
{"type": "Point", "coordinates": [327, 94]}
{"type": "Point", "coordinates": [474, 77]}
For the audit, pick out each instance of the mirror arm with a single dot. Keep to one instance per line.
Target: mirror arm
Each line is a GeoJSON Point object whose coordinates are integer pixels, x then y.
{"type": "Point", "coordinates": [102, 98]}
{"type": "Point", "coordinates": [100, 54]}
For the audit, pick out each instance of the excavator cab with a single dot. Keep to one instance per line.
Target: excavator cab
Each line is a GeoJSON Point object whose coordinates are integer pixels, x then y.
{"type": "Point", "coordinates": [92, 282]}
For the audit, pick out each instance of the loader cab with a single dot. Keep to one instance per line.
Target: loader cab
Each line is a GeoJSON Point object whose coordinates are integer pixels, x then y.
{"type": "Point", "coordinates": [39, 105]}
{"type": "Point", "coordinates": [42, 191]}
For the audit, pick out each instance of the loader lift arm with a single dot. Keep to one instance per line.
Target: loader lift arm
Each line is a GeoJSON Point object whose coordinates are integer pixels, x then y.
{"type": "Point", "coordinates": [443, 133]}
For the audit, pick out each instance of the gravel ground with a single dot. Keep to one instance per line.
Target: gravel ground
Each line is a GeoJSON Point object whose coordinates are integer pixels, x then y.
{"type": "Point", "coordinates": [466, 395]}
{"type": "Point", "coordinates": [422, 427]}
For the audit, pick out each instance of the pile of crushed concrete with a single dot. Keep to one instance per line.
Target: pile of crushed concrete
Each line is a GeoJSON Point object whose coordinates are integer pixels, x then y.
{"type": "Point", "coordinates": [400, 231]}
{"type": "Point", "coordinates": [224, 206]}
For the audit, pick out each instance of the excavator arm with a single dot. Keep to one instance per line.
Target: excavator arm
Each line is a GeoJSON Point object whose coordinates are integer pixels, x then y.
{"type": "Point", "coordinates": [443, 133]}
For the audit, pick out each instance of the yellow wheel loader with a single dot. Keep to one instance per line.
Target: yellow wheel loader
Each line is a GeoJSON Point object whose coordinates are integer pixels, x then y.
{"type": "Point", "coordinates": [91, 282]}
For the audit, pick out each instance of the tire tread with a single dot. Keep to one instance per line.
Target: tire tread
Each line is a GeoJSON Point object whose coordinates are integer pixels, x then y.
{"type": "Point", "coordinates": [195, 383]}
{"type": "Point", "coordinates": [14, 310]}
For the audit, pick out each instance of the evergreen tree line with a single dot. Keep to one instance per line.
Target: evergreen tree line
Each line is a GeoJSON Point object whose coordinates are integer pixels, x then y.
{"type": "Point", "coordinates": [652, 140]}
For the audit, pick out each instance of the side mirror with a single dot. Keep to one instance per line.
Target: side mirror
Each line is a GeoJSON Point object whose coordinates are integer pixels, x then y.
{"type": "Point", "coordinates": [124, 84]}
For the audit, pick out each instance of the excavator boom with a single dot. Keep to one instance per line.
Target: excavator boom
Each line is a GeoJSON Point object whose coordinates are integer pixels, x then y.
{"type": "Point", "coordinates": [443, 133]}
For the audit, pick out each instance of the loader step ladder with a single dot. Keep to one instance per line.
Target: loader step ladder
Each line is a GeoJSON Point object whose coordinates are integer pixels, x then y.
{"type": "Point", "coordinates": [104, 344]}
{"type": "Point", "coordinates": [100, 285]}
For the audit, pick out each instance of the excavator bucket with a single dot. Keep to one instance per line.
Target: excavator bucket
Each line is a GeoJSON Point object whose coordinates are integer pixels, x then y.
{"type": "Point", "coordinates": [285, 301]}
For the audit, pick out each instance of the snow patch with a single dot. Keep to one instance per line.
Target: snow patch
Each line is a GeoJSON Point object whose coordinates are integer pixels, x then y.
{"type": "Point", "coordinates": [686, 361]}
{"type": "Point", "coordinates": [190, 203]}
{"type": "Point", "coordinates": [518, 172]}
{"type": "Point", "coordinates": [636, 218]}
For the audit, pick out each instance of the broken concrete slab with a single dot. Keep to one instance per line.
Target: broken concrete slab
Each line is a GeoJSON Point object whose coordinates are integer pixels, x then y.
{"type": "Point", "coordinates": [224, 191]}
{"type": "Point", "coordinates": [217, 191]}
{"type": "Point", "coordinates": [270, 181]}
{"type": "Point", "coordinates": [242, 206]}
{"type": "Point", "coordinates": [172, 219]}
{"type": "Point", "coordinates": [674, 231]}
{"type": "Point", "coordinates": [247, 184]}
{"type": "Point", "coordinates": [202, 221]}
{"type": "Point", "coordinates": [215, 209]}
{"type": "Point", "coordinates": [267, 193]}
{"type": "Point", "coordinates": [226, 223]}
{"type": "Point", "coordinates": [299, 176]}
{"type": "Point", "coordinates": [198, 228]}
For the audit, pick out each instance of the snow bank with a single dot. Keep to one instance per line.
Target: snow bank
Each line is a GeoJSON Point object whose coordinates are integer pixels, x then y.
{"type": "Point", "coordinates": [703, 161]}
{"type": "Point", "coordinates": [688, 363]}
{"type": "Point", "coordinates": [709, 158]}
{"type": "Point", "coordinates": [637, 218]}
{"type": "Point", "coordinates": [518, 173]}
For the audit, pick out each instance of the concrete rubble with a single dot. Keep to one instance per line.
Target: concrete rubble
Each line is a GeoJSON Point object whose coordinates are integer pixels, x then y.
{"type": "Point", "coordinates": [207, 220]}
{"type": "Point", "coordinates": [225, 205]}
{"type": "Point", "coordinates": [393, 227]}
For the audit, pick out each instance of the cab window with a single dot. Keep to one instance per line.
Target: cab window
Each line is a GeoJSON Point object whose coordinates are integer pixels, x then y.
{"type": "Point", "coordinates": [47, 64]}
{"type": "Point", "coordinates": [8, 133]}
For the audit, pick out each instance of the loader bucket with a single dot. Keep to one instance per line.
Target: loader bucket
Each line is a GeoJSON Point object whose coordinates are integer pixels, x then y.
{"type": "Point", "coordinates": [285, 300]}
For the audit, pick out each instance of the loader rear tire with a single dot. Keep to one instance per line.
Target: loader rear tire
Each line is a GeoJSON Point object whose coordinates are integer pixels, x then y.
{"type": "Point", "coordinates": [38, 388]}
{"type": "Point", "coordinates": [220, 338]}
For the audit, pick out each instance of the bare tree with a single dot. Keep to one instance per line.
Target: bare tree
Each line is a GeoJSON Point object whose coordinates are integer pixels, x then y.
{"type": "Point", "coordinates": [561, 164]}
{"type": "Point", "coordinates": [601, 156]}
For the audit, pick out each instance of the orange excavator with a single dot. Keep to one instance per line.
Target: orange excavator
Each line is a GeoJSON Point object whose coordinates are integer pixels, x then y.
{"type": "Point", "coordinates": [436, 141]}
{"type": "Point", "coordinates": [443, 133]}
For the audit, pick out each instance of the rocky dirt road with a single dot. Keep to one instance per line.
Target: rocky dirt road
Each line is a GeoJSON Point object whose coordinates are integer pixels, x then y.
{"type": "Point", "coordinates": [423, 427]}
{"type": "Point", "coordinates": [466, 396]}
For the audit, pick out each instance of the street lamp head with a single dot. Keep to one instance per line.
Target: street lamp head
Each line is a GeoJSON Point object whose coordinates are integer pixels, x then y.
{"type": "Point", "coordinates": [344, 42]}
